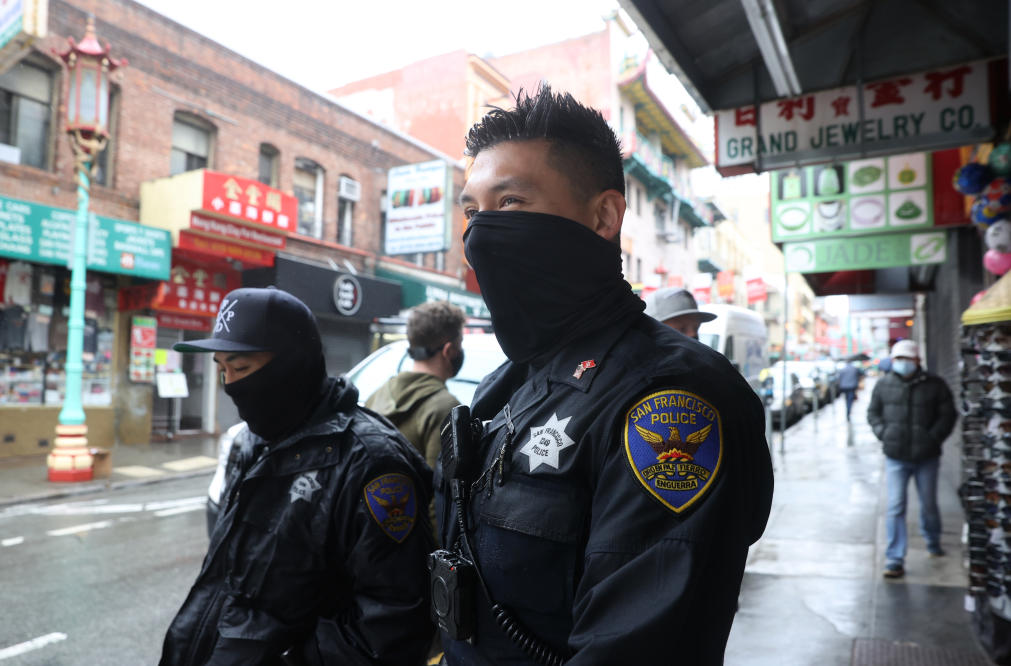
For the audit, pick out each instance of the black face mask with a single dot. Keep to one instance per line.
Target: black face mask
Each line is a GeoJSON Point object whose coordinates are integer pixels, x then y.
{"type": "Point", "coordinates": [456, 363]}
{"type": "Point", "coordinates": [278, 397]}
{"type": "Point", "coordinates": [547, 280]}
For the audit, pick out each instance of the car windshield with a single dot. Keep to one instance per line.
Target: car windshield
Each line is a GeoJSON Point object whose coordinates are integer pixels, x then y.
{"type": "Point", "coordinates": [481, 355]}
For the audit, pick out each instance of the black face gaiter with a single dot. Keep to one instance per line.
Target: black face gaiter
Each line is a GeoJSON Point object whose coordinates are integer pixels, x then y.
{"type": "Point", "coordinates": [547, 280]}
{"type": "Point", "coordinates": [277, 398]}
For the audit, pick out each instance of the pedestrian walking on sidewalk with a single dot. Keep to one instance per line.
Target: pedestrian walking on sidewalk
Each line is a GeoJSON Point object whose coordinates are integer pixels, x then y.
{"type": "Point", "coordinates": [849, 382]}
{"type": "Point", "coordinates": [321, 544]}
{"type": "Point", "coordinates": [912, 412]}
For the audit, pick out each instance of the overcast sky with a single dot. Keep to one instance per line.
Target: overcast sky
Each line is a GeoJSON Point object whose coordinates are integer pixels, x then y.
{"type": "Point", "coordinates": [325, 43]}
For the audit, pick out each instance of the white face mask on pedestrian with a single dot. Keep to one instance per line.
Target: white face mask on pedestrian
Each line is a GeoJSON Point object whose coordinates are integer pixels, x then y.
{"type": "Point", "coordinates": [904, 367]}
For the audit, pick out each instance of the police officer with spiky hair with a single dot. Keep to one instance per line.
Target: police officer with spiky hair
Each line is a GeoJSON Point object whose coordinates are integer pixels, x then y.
{"type": "Point", "coordinates": [620, 469]}
{"type": "Point", "coordinates": [320, 547]}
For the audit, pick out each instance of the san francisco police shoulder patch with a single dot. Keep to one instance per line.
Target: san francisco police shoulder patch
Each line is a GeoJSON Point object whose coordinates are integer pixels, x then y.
{"type": "Point", "coordinates": [393, 504]}
{"type": "Point", "coordinates": [674, 443]}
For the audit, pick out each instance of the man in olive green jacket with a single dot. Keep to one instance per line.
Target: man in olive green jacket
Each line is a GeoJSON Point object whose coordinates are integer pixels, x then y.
{"type": "Point", "coordinates": [417, 401]}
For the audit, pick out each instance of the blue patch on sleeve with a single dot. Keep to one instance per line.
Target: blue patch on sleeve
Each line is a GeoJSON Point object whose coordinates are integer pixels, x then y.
{"type": "Point", "coordinates": [674, 443]}
{"type": "Point", "coordinates": [393, 504]}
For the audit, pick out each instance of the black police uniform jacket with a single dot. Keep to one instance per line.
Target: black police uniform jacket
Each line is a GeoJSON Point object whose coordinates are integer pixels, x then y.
{"type": "Point", "coordinates": [606, 535]}
{"type": "Point", "coordinates": [304, 555]}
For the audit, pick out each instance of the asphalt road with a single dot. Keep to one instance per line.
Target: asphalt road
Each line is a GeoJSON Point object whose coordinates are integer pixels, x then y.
{"type": "Point", "coordinates": [97, 579]}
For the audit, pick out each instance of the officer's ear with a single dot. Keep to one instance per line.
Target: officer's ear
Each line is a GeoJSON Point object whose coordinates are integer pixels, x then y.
{"type": "Point", "coordinates": [608, 209]}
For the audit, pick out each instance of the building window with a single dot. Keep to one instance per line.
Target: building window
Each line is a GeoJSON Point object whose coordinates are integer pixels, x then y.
{"type": "Point", "coordinates": [26, 93]}
{"type": "Point", "coordinates": [638, 200]}
{"type": "Point", "coordinates": [349, 191]}
{"type": "Point", "coordinates": [308, 186]}
{"type": "Point", "coordinates": [660, 219]}
{"type": "Point", "coordinates": [191, 143]}
{"type": "Point", "coordinates": [267, 168]}
{"type": "Point", "coordinates": [638, 270]}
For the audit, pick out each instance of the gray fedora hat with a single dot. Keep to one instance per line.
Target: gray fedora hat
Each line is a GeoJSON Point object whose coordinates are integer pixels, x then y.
{"type": "Point", "coordinates": [665, 304]}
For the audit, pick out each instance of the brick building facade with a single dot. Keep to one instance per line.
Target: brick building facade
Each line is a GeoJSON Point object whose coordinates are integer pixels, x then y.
{"type": "Point", "coordinates": [186, 102]}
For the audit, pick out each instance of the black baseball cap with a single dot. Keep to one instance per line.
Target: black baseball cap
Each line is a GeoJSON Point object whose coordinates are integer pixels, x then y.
{"type": "Point", "coordinates": [251, 320]}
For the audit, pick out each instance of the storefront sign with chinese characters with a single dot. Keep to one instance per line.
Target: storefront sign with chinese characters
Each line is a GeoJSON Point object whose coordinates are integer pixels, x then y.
{"type": "Point", "coordinates": [195, 288]}
{"type": "Point", "coordinates": [39, 233]}
{"type": "Point", "coordinates": [237, 232]}
{"type": "Point", "coordinates": [725, 285]}
{"type": "Point", "coordinates": [825, 255]}
{"type": "Point", "coordinates": [214, 247]}
{"type": "Point", "coordinates": [874, 195]}
{"type": "Point", "coordinates": [187, 322]}
{"type": "Point", "coordinates": [942, 108]}
{"type": "Point", "coordinates": [143, 339]}
{"type": "Point", "coordinates": [249, 201]}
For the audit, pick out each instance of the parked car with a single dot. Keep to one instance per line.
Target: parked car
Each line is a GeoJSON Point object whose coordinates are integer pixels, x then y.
{"type": "Point", "coordinates": [812, 381]}
{"type": "Point", "coordinates": [739, 334]}
{"type": "Point", "coordinates": [793, 401]}
{"type": "Point", "coordinates": [482, 354]}
{"type": "Point", "coordinates": [226, 454]}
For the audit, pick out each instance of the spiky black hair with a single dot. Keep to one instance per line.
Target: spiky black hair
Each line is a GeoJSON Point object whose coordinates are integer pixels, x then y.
{"type": "Point", "coordinates": [583, 145]}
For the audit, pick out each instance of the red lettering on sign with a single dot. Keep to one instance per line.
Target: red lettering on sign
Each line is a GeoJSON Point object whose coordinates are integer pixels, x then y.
{"type": "Point", "coordinates": [888, 92]}
{"type": "Point", "coordinates": [190, 296]}
{"type": "Point", "coordinates": [744, 116]}
{"type": "Point", "coordinates": [935, 82]}
{"type": "Point", "coordinates": [841, 105]}
{"type": "Point", "coordinates": [249, 201]}
{"type": "Point", "coordinates": [804, 107]}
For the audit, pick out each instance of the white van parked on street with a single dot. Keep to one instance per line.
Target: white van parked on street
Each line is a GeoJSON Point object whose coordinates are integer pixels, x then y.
{"type": "Point", "coordinates": [739, 334]}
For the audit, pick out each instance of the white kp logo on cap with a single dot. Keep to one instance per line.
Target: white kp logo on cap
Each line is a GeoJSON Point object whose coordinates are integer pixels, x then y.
{"type": "Point", "coordinates": [225, 315]}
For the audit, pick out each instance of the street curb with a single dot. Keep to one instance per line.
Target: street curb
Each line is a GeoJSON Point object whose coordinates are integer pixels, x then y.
{"type": "Point", "coordinates": [101, 487]}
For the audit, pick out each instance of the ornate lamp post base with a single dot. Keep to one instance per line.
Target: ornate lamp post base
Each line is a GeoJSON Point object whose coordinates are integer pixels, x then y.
{"type": "Point", "coordinates": [70, 459]}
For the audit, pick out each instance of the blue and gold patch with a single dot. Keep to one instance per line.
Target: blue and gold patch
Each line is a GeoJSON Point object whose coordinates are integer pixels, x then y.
{"type": "Point", "coordinates": [393, 504]}
{"type": "Point", "coordinates": [674, 443]}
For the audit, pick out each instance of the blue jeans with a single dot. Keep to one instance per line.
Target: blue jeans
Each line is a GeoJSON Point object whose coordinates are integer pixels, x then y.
{"type": "Point", "coordinates": [851, 394]}
{"type": "Point", "coordinates": [897, 473]}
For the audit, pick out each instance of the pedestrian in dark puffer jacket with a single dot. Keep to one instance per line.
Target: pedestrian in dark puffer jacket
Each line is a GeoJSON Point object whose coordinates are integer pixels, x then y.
{"type": "Point", "coordinates": [912, 412]}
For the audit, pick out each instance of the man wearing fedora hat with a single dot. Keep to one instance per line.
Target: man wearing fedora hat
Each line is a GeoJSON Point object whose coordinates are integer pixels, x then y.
{"type": "Point", "coordinates": [676, 307]}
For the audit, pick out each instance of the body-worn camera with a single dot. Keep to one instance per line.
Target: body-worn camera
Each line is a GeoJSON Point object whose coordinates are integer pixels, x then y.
{"type": "Point", "coordinates": [453, 580]}
{"type": "Point", "coordinates": [460, 435]}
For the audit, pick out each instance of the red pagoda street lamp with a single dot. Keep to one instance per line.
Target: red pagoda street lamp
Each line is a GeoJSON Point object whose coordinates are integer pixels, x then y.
{"type": "Point", "coordinates": [87, 122]}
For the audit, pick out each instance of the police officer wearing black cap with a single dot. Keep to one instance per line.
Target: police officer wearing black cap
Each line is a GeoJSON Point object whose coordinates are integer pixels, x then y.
{"type": "Point", "coordinates": [322, 537]}
{"type": "Point", "coordinates": [619, 470]}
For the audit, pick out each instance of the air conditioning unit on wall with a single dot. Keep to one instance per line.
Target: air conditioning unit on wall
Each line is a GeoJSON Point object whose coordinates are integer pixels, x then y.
{"type": "Point", "coordinates": [349, 189]}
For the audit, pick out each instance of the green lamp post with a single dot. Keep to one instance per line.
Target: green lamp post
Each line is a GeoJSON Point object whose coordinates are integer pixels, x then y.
{"type": "Point", "coordinates": [87, 124]}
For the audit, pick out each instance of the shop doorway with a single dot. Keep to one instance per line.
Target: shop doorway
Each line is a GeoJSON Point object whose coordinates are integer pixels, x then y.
{"type": "Point", "coordinates": [182, 412]}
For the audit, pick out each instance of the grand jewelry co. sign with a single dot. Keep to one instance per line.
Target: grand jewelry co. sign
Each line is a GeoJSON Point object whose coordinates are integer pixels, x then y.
{"type": "Point", "coordinates": [925, 111]}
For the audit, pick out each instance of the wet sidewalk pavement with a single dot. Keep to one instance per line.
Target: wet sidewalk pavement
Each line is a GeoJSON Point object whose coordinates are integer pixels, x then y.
{"type": "Point", "coordinates": [813, 590]}
{"type": "Point", "coordinates": [813, 593]}
{"type": "Point", "coordinates": [23, 478]}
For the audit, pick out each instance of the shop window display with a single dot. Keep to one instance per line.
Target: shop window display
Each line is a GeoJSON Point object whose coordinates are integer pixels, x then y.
{"type": "Point", "coordinates": [34, 308]}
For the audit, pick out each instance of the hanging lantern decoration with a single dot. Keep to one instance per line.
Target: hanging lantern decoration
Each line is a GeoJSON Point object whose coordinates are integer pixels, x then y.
{"type": "Point", "coordinates": [972, 178]}
{"type": "Point", "coordinates": [87, 104]}
{"type": "Point", "coordinates": [996, 262]}
{"type": "Point", "coordinates": [998, 236]}
{"type": "Point", "coordinates": [1000, 159]}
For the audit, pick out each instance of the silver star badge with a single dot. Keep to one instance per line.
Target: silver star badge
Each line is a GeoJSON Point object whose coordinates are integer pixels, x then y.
{"type": "Point", "coordinates": [546, 441]}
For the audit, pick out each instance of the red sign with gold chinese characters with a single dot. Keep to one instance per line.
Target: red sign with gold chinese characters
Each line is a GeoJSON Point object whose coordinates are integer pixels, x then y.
{"type": "Point", "coordinates": [249, 201]}
{"type": "Point", "coordinates": [222, 248]}
{"type": "Point", "coordinates": [195, 288]}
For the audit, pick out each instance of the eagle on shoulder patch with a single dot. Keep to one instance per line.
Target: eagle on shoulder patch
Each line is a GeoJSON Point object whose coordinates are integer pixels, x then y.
{"type": "Point", "coordinates": [673, 446]}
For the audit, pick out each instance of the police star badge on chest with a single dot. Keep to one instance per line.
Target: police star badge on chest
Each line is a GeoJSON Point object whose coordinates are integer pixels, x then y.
{"type": "Point", "coordinates": [674, 444]}
{"type": "Point", "coordinates": [547, 442]}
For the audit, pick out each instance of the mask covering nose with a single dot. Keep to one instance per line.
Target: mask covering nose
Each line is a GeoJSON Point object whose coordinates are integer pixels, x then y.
{"type": "Point", "coordinates": [275, 399]}
{"type": "Point", "coordinates": [547, 280]}
{"type": "Point", "coordinates": [903, 367]}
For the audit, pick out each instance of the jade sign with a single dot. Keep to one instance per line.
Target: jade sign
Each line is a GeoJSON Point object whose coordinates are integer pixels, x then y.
{"type": "Point", "coordinates": [33, 232]}
{"type": "Point", "coordinates": [825, 255]}
{"type": "Point", "coordinates": [874, 195]}
{"type": "Point", "coordinates": [923, 111]}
